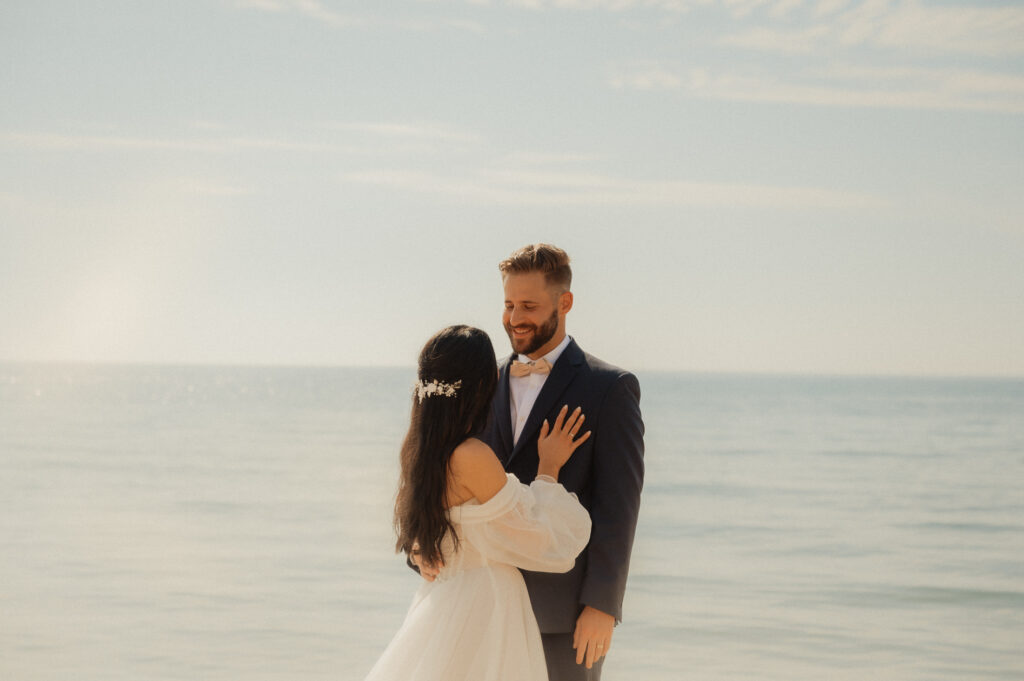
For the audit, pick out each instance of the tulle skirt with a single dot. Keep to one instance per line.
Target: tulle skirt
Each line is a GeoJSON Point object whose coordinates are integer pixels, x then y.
{"type": "Point", "coordinates": [477, 625]}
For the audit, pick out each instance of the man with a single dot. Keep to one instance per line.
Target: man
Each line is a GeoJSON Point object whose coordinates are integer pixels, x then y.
{"type": "Point", "coordinates": [576, 611]}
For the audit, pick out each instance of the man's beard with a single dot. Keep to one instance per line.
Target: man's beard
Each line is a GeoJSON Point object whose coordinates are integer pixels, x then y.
{"type": "Point", "coordinates": [541, 335]}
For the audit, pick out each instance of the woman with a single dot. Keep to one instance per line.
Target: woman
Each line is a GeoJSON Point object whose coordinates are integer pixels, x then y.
{"type": "Point", "coordinates": [458, 509]}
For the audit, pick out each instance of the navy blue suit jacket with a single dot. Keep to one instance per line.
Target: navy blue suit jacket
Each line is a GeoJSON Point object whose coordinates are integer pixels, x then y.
{"type": "Point", "coordinates": [606, 472]}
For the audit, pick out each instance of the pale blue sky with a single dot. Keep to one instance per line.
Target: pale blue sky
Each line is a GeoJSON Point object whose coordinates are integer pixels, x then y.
{"type": "Point", "coordinates": [782, 185]}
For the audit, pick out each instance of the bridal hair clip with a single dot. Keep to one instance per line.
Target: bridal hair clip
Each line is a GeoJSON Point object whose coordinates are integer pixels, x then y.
{"type": "Point", "coordinates": [436, 388]}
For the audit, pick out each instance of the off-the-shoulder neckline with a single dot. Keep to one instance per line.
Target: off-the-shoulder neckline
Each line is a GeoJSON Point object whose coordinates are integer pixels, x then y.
{"type": "Point", "coordinates": [473, 501]}
{"type": "Point", "coordinates": [472, 508]}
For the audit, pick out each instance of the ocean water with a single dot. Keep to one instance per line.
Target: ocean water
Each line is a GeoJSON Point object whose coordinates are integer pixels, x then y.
{"type": "Point", "coordinates": [231, 523]}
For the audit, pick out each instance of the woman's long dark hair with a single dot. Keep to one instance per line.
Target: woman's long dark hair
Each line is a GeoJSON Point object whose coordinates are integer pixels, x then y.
{"type": "Point", "coordinates": [456, 355]}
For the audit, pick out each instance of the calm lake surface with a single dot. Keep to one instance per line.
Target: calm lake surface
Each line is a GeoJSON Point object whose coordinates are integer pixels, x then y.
{"type": "Point", "coordinates": [228, 523]}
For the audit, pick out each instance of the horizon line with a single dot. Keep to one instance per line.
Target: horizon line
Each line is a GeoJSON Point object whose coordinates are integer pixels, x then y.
{"type": "Point", "coordinates": [763, 373]}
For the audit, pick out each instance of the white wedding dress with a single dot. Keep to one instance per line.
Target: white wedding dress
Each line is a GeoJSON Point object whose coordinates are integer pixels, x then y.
{"type": "Point", "coordinates": [475, 622]}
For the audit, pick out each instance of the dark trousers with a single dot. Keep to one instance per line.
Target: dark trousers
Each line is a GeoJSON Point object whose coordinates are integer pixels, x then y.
{"type": "Point", "coordinates": [561, 659]}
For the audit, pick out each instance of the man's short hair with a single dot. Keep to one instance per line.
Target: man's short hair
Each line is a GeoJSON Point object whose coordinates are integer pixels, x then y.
{"type": "Point", "coordinates": [551, 260]}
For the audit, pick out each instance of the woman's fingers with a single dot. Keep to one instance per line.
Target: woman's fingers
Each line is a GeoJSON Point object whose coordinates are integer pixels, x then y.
{"type": "Point", "coordinates": [571, 419]}
{"type": "Point", "coordinates": [578, 441]}
{"type": "Point", "coordinates": [560, 419]}
{"type": "Point", "coordinates": [565, 424]}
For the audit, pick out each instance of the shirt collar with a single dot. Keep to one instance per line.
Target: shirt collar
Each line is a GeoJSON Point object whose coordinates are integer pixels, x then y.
{"type": "Point", "coordinates": [552, 356]}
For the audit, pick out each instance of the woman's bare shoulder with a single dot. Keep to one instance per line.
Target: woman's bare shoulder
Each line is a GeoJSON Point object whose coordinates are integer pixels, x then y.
{"type": "Point", "coordinates": [476, 468]}
{"type": "Point", "coordinates": [473, 447]}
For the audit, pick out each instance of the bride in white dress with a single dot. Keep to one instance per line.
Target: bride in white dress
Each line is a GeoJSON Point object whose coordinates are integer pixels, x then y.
{"type": "Point", "coordinates": [457, 509]}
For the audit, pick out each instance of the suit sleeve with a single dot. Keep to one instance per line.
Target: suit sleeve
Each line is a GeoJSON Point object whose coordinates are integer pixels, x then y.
{"type": "Point", "coordinates": [618, 476]}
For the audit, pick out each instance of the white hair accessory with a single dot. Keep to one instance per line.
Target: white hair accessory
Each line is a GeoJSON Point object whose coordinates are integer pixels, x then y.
{"type": "Point", "coordinates": [436, 388]}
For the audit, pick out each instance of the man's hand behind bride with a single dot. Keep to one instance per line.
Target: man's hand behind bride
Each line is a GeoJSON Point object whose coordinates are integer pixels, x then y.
{"type": "Point", "coordinates": [428, 571]}
{"type": "Point", "coordinates": [557, 442]}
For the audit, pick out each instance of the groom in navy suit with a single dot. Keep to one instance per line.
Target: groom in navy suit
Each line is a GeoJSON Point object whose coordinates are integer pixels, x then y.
{"type": "Point", "coordinates": [577, 611]}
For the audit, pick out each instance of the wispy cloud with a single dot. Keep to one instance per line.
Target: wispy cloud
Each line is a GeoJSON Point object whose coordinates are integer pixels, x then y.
{"type": "Point", "coordinates": [326, 15]}
{"type": "Point", "coordinates": [205, 187]}
{"type": "Point", "coordinates": [788, 41]}
{"type": "Point", "coordinates": [264, 5]}
{"type": "Point", "coordinates": [612, 5]}
{"type": "Point", "coordinates": [845, 85]}
{"type": "Point", "coordinates": [312, 9]}
{"type": "Point", "coordinates": [415, 131]}
{"type": "Point", "coordinates": [801, 25]}
{"type": "Point", "coordinates": [543, 158]}
{"type": "Point", "coordinates": [8, 199]}
{"type": "Point", "coordinates": [832, 51]}
{"type": "Point", "coordinates": [320, 12]}
{"type": "Point", "coordinates": [645, 75]}
{"type": "Point", "coordinates": [215, 138]}
{"type": "Point", "coordinates": [783, 8]}
{"type": "Point", "coordinates": [440, 24]}
{"type": "Point", "coordinates": [992, 31]}
{"type": "Point", "coordinates": [516, 187]}
{"type": "Point", "coordinates": [884, 25]}
{"type": "Point", "coordinates": [74, 142]}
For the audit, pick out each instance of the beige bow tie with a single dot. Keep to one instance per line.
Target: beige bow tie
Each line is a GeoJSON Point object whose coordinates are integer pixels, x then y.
{"type": "Point", "coordinates": [541, 366]}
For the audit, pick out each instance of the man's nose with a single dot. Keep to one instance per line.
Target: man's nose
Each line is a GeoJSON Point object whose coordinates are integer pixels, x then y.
{"type": "Point", "coordinates": [516, 316]}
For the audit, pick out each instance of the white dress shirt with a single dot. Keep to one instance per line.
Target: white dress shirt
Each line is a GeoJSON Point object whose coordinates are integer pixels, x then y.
{"type": "Point", "coordinates": [523, 390]}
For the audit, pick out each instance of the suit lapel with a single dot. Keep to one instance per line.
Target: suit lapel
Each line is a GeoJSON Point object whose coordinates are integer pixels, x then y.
{"type": "Point", "coordinates": [561, 376]}
{"type": "Point", "coordinates": [502, 413]}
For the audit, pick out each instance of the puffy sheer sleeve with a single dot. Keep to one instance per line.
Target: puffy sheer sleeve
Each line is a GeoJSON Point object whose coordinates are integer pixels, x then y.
{"type": "Point", "coordinates": [540, 527]}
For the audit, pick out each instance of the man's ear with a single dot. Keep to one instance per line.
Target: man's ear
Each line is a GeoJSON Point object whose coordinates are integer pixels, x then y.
{"type": "Point", "coordinates": [565, 302]}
